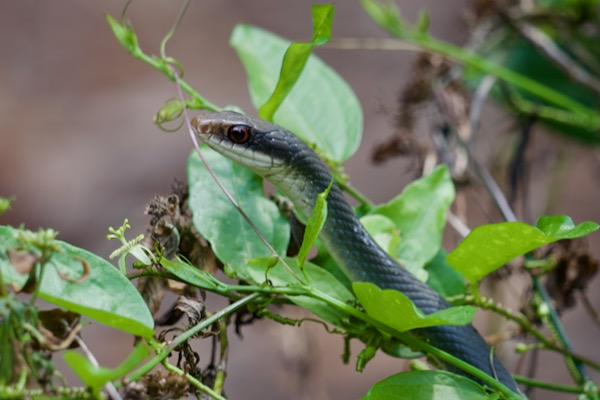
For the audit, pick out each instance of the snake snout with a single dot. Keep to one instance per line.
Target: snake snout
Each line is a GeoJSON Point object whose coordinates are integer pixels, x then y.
{"type": "Point", "coordinates": [200, 125]}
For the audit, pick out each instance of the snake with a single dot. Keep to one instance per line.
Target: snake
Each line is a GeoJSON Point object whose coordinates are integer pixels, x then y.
{"type": "Point", "coordinates": [300, 174]}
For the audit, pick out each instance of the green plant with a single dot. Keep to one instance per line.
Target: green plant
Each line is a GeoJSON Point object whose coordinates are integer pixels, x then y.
{"type": "Point", "coordinates": [409, 226]}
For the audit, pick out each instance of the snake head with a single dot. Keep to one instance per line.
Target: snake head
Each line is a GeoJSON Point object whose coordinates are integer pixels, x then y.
{"type": "Point", "coordinates": [255, 144]}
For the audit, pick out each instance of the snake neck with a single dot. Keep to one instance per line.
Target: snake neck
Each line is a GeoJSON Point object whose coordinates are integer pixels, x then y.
{"type": "Point", "coordinates": [352, 248]}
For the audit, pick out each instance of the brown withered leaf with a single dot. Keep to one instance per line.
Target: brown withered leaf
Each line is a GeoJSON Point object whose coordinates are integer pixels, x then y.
{"type": "Point", "coordinates": [194, 309]}
{"type": "Point", "coordinates": [575, 268]}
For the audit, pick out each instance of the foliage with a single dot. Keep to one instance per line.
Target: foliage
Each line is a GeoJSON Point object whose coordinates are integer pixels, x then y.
{"type": "Point", "coordinates": [295, 89]}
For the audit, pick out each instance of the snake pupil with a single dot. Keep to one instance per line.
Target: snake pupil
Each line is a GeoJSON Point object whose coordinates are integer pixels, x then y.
{"type": "Point", "coordinates": [239, 133]}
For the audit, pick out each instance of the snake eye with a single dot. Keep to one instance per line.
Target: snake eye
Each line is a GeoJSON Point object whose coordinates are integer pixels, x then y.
{"type": "Point", "coordinates": [238, 133]}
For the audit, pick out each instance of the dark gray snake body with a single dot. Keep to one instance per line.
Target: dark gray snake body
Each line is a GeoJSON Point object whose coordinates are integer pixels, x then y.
{"type": "Point", "coordinates": [286, 161]}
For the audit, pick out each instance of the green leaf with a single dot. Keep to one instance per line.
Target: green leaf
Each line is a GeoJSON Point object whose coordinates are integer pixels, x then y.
{"type": "Point", "coordinates": [322, 16]}
{"type": "Point", "coordinates": [314, 225]}
{"type": "Point", "coordinates": [321, 108]}
{"type": "Point", "coordinates": [419, 212]}
{"type": "Point", "coordinates": [96, 376]}
{"type": "Point", "coordinates": [295, 58]}
{"type": "Point", "coordinates": [320, 279]}
{"type": "Point", "coordinates": [191, 275]}
{"type": "Point", "coordinates": [215, 218]}
{"type": "Point", "coordinates": [386, 15]}
{"type": "Point", "coordinates": [5, 204]}
{"type": "Point", "coordinates": [428, 385]}
{"type": "Point", "coordinates": [294, 61]}
{"type": "Point", "coordinates": [124, 34]}
{"type": "Point", "coordinates": [397, 311]}
{"type": "Point", "coordinates": [488, 247]}
{"type": "Point", "coordinates": [562, 227]}
{"type": "Point", "coordinates": [383, 230]}
{"type": "Point", "coordinates": [422, 22]}
{"type": "Point", "coordinates": [325, 261]}
{"type": "Point", "coordinates": [443, 278]}
{"type": "Point", "coordinates": [105, 295]}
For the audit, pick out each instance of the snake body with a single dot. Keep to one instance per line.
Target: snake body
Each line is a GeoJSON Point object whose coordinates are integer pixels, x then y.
{"type": "Point", "coordinates": [286, 161]}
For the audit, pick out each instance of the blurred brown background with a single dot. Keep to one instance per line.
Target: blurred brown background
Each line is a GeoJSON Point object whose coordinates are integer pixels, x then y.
{"type": "Point", "coordinates": [80, 152]}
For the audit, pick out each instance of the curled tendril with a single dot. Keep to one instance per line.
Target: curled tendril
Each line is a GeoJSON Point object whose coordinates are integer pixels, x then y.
{"type": "Point", "coordinates": [163, 43]}
{"type": "Point", "coordinates": [124, 13]}
{"type": "Point", "coordinates": [171, 111]}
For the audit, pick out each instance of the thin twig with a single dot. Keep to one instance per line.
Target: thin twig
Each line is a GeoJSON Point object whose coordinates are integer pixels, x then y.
{"type": "Point", "coordinates": [590, 308]}
{"type": "Point", "coordinates": [479, 97]}
{"type": "Point", "coordinates": [495, 192]}
{"type": "Point", "coordinates": [457, 224]}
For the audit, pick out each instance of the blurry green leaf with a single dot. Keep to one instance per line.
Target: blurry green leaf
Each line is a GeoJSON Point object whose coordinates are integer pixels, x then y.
{"type": "Point", "coordinates": [397, 311]}
{"type": "Point", "coordinates": [428, 385]}
{"type": "Point", "coordinates": [105, 295]}
{"type": "Point", "coordinates": [5, 204]}
{"type": "Point", "coordinates": [488, 247]}
{"type": "Point", "coordinates": [96, 376]}
{"type": "Point", "coordinates": [320, 279]}
{"type": "Point", "coordinates": [314, 225]}
{"type": "Point", "coordinates": [386, 15]}
{"type": "Point", "coordinates": [215, 218]}
{"type": "Point", "coordinates": [124, 34]}
{"type": "Point", "coordinates": [419, 212]}
{"type": "Point", "coordinates": [321, 108]}
{"type": "Point", "coordinates": [422, 22]}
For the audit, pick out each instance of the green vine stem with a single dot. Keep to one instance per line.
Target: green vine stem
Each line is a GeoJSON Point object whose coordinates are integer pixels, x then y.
{"type": "Point", "coordinates": [302, 290]}
{"type": "Point", "coordinates": [546, 385]}
{"type": "Point", "coordinates": [128, 39]}
{"type": "Point", "coordinates": [193, 381]}
{"type": "Point", "coordinates": [163, 353]}
{"type": "Point", "coordinates": [552, 322]}
{"type": "Point", "coordinates": [387, 16]}
{"type": "Point", "coordinates": [521, 320]}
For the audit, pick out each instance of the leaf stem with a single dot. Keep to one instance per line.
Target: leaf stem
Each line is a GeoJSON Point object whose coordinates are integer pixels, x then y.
{"type": "Point", "coordinates": [524, 323]}
{"type": "Point", "coordinates": [546, 385]}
